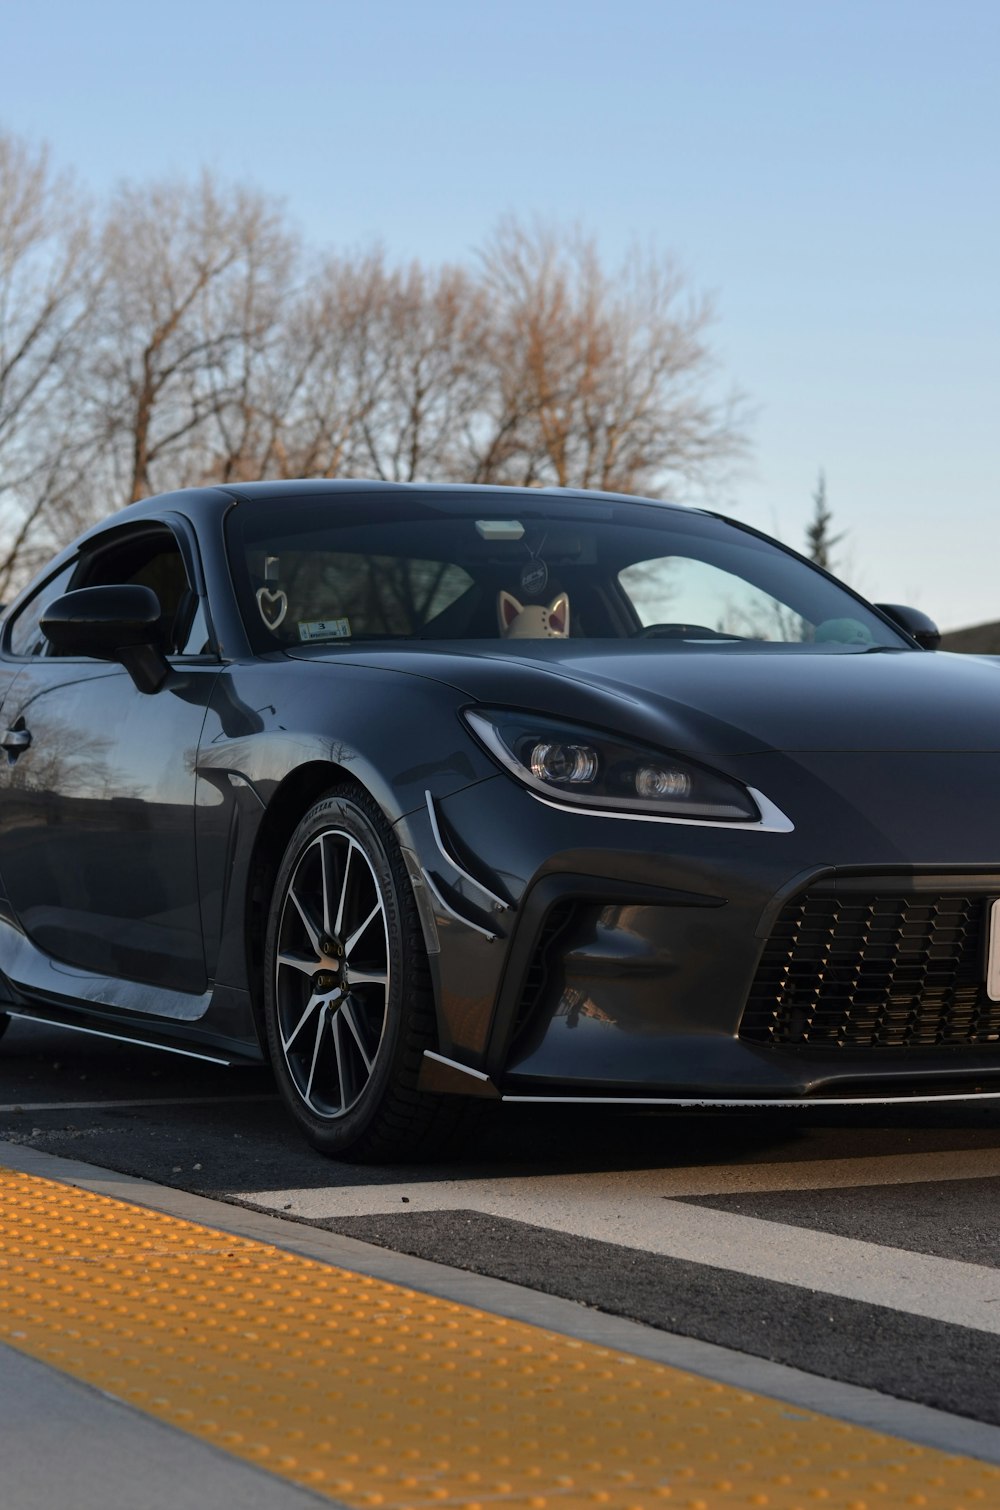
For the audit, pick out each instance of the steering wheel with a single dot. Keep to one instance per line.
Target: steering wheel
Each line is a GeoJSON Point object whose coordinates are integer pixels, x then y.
{"type": "Point", "coordinates": [683, 632]}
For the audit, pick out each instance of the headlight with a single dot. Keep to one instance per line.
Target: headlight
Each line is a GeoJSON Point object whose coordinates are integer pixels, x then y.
{"type": "Point", "coordinates": [587, 768]}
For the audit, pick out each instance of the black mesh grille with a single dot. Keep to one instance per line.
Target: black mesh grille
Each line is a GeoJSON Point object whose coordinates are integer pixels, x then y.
{"type": "Point", "coordinates": [875, 971]}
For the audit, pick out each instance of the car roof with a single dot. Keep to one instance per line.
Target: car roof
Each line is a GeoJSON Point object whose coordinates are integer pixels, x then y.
{"type": "Point", "coordinates": [304, 487]}
{"type": "Point", "coordinates": [200, 504]}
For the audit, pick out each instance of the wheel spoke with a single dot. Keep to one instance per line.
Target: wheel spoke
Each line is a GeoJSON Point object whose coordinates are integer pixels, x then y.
{"type": "Point", "coordinates": [326, 884]}
{"type": "Point", "coordinates": [311, 1006]}
{"type": "Point", "coordinates": [297, 962]}
{"type": "Point", "coordinates": [369, 978]}
{"type": "Point", "coordinates": [350, 943]}
{"type": "Point", "coordinates": [315, 1057]}
{"type": "Point", "coordinates": [342, 901]}
{"type": "Point", "coordinates": [307, 921]}
{"type": "Point", "coordinates": [338, 1049]}
{"type": "Point", "coordinates": [347, 1013]}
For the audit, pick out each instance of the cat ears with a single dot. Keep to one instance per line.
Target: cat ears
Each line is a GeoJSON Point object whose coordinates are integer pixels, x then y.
{"type": "Point", "coordinates": [559, 614]}
{"type": "Point", "coordinates": [508, 608]}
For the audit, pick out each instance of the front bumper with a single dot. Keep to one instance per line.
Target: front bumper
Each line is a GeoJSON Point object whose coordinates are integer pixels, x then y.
{"type": "Point", "coordinates": [621, 965]}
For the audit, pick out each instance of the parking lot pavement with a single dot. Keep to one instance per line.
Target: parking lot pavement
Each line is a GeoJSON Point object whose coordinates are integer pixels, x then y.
{"type": "Point", "coordinates": [857, 1246]}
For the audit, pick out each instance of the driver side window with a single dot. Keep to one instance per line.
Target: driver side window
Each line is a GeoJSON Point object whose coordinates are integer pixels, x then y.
{"type": "Point", "coordinates": [153, 559]}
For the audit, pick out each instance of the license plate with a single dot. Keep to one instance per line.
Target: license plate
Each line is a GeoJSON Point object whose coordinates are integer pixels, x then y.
{"type": "Point", "coordinates": [993, 957]}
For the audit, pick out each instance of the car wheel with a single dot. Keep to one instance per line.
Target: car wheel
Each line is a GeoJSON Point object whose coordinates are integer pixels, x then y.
{"type": "Point", "coordinates": [347, 995]}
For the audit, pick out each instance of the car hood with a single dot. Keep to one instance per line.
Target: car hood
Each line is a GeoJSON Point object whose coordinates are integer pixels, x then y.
{"type": "Point", "coordinates": [734, 700]}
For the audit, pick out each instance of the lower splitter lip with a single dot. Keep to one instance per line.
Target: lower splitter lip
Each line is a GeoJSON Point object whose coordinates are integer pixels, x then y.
{"type": "Point", "coordinates": [444, 1074]}
{"type": "Point", "coordinates": [799, 1103]}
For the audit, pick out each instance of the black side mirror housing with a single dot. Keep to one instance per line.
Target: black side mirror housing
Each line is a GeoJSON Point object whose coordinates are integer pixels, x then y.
{"type": "Point", "coordinates": [119, 623]}
{"type": "Point", "coordinates": [914, 623]}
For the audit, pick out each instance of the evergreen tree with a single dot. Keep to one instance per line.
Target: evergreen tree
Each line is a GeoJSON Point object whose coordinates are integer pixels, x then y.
{"type": "Point", "coordinates": [820, 542]}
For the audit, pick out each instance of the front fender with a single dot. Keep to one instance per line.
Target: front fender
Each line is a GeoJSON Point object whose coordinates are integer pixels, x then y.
{"type": "Point", "coordinates": [396, 735]}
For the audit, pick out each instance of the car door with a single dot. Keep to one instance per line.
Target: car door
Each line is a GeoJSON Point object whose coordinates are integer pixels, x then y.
{"type": "Point", "coordinates": [97, 791]}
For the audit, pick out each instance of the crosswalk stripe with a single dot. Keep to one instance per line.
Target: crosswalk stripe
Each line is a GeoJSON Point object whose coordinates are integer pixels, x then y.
{"type": "Point", "coordinates": [636, 1184]}
{"type": "Point", "coordinates": [641, 1210]}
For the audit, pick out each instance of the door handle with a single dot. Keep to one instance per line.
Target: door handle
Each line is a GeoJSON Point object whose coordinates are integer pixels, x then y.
{"type": "Point", "coordinates": [16, 739]}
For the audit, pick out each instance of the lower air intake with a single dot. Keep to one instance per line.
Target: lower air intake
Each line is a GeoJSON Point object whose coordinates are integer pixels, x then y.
{"type": "Point", "coordinates": [875, 971]}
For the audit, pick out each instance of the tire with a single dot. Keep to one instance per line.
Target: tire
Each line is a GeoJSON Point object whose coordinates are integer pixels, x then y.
{"type": "Point", "coordinates": [347, 996]}
{"type": "Point", "coordinates": [4, 1023]}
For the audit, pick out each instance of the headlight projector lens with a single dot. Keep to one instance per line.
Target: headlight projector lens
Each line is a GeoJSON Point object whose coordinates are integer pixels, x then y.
{"type": "Point", "coordinates": [660, 781]}
{"type": "Point", "coordinates": [573, 765]}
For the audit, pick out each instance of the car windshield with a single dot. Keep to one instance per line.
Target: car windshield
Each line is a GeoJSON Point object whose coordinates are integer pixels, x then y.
{"type": "Point", "coordinates": [343, 567]}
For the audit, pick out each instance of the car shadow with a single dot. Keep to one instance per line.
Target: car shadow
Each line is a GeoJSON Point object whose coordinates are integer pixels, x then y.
{"type": "Point", "coordinates": [224, 1132]}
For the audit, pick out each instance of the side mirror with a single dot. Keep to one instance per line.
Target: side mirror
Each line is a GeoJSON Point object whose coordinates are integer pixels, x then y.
{"type": "Point", "coordinates": [914, 623]}
{"type": "Point", "coordinates": [111, 624]}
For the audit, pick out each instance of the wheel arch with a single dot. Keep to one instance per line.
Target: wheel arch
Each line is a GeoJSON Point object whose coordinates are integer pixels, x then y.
{"type": "Point", "coordinates": [286, 809]}
{"type": "Point", "coordinates": [290, 802]}
{"type": "Point", "coordinates": [404, 1119]}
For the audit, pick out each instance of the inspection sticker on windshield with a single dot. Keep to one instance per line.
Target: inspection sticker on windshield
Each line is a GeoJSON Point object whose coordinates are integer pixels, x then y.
{"type": "Point", "coordinates": [326, 629]}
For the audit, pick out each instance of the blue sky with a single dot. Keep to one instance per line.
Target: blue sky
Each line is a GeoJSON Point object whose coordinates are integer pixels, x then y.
{"type": "Point", "coordinates": [830, 170]}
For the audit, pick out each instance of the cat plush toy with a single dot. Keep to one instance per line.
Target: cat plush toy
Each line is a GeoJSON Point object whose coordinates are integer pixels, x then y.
{"type": "Point", "coordinates": [531, 621]}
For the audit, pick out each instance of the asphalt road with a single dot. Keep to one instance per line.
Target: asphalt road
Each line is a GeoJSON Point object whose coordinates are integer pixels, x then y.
{"type": "Point", "coordinates": [862, 1245]}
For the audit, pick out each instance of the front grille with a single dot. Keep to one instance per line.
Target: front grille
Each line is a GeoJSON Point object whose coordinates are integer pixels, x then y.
{"type": "Point", "coordinates": [874, 971]}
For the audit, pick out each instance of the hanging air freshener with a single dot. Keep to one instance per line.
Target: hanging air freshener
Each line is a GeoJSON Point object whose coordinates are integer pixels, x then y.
{"type": "Point", "coordinates": [272, 601]}
{"type": "Point", "coordinates": [272, 606]}
{"type": "Point", "coordinates": [534, 573]}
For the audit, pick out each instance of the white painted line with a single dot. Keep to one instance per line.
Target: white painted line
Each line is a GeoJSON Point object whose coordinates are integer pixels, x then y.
{"type": "Point", "coordinates": [633, 1184]}
{"type": "Point", "coordinates": [95, 1106]}
{"type": "Point", "coordinates": [637, 1210]}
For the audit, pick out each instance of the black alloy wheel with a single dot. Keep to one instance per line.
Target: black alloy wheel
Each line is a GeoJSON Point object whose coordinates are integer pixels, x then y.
{"type": "Point", "coordinates": [347, 995]}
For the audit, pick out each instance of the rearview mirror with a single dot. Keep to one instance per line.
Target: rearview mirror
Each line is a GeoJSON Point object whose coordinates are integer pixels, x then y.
{"type": "Point", "coordinates": [119, 623]}
{"type": "Point", "coordinates": [914, 623]}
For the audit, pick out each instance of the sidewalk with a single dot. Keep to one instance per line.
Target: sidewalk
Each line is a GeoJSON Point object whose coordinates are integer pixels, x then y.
{"type": "Point", "coordinates": [273, 1364]}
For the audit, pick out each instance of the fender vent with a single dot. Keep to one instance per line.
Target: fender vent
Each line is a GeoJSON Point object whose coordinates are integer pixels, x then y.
{"type": "Point", "coordinates": [537, 974]}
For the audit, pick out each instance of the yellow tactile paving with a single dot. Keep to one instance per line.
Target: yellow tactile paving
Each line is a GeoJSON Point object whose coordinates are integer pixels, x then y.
{"type": "Point", "coordinates": [380, 1396]}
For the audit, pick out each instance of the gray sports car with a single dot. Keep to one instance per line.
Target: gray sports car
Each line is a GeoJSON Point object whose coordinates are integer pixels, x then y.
{"type": "Point", "coordinates": [431, 795]}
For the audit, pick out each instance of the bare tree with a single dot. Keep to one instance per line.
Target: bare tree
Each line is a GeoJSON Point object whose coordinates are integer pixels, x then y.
{"type": "Point", "coordinates": [340, 361]}
{"type": "Point", "coordinates": [542, 369]}
{"type": "Point", "coordinates": [47, 293]}
{"type": "Point", "coordinates": [195, 277]}
{"type": "Point", "coordinates": [191, 342]}
{"type": "Point", "coordinates": [427, 348]}
{"type": "Point", "coordinates": [599, 381]}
